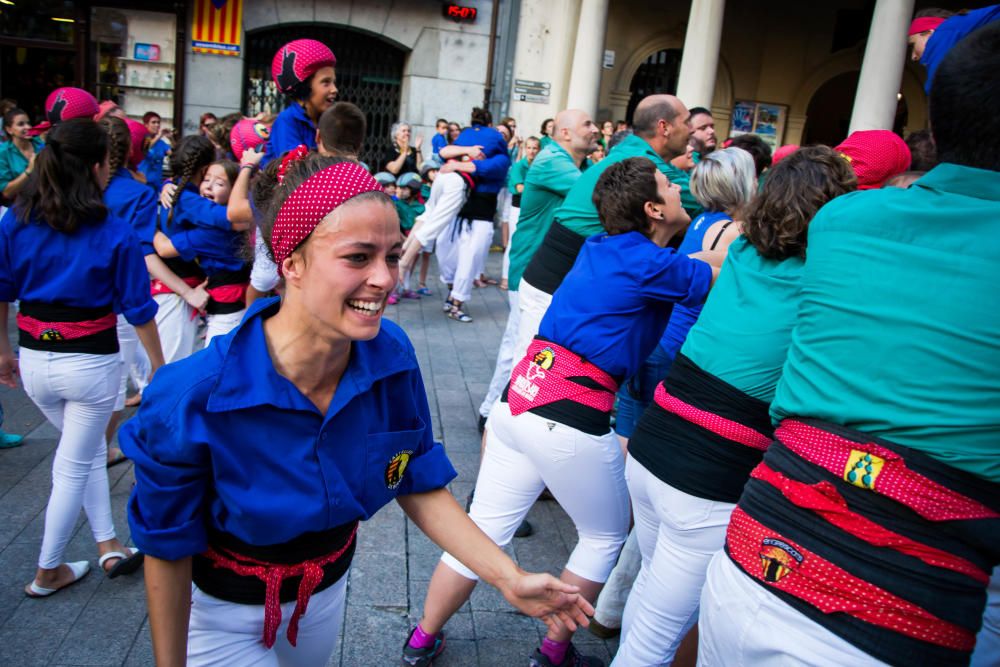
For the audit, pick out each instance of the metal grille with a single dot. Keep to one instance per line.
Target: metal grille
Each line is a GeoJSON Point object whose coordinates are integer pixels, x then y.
{"type": "Point", "coordinates": [369, 74]}
{"type": "Point", "coordinates": [658, 74]}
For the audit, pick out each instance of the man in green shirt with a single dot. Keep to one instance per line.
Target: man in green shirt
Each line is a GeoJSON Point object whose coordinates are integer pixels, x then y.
{"type": "Point", "coordinates": [888, 448]}
{"type": "Point", "coordinates": [661, 130]}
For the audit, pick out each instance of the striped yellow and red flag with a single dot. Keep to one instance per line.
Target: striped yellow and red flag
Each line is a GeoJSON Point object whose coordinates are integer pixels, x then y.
{"type": "Point", "coordinates": [218, 27]}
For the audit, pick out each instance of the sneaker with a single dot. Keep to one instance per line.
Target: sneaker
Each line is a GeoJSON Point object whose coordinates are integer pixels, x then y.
{"type": "Point", "coordinates": [393, 299]}
{"type": "Point", "coordinates": [424, 290]}
{"type": "Point", "coordinates": [409, 294]}
{"type": "Point", "coordinates": [421, 657]}
{"type": "Point", "coordinates": [572, 659]}
{"type": "Point", "coordinates": [598, 629]}
{"type": "Point", "coordinates": [457, 314]}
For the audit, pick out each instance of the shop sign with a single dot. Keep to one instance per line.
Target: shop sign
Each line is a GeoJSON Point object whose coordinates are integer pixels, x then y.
{"type": "Point", "coordinates": [217, 27]}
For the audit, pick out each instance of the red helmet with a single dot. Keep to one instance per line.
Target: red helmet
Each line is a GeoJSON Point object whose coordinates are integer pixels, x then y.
{"type": "Point", "coordinates": [246, 134]}
{"type": "Point", "coordinates": [66, 103]}
{"type": "Point", "coordinates": [139, 133]}
{"type": "Point", "coordinates": [296, 61]}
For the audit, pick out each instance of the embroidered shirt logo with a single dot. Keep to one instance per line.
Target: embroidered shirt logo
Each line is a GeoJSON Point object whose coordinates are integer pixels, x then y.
{"type": "Point", "coordinates": [777, 558]}
{"type": "Point", "coordinates": [863, 469]}
{"type": "Point", "coordinates": [397, 466]}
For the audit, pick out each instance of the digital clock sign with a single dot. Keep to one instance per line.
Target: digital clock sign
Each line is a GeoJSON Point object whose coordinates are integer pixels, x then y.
{"type": "Point", "coordinates": [459, 14]}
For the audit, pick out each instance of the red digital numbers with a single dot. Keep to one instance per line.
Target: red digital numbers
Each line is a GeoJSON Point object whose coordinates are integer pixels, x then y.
{"type": "Point", "coordinates": [459, 13]}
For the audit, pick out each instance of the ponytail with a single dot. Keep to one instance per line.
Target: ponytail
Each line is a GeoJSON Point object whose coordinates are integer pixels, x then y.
{"type": "Point", "coordinates": [119, 142]}
{"type": "Point", "coordinates": [62, 189]}
{"type": "Point", "coordinates": [192, 154]}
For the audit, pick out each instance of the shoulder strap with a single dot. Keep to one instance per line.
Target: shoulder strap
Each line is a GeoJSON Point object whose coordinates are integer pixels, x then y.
{"type": "Point", "coordinates": [721, 232]}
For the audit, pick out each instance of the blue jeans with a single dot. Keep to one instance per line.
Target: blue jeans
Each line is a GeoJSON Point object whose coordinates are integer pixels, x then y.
{"type": "Point", "coordinates": [636, 393]}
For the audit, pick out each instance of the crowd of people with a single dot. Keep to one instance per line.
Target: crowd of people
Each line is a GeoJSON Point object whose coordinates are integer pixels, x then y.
{"type": "Point", "coordinates": [761, 383]}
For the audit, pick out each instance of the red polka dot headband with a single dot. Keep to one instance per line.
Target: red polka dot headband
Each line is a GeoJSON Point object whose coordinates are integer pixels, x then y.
{"type": "Point", "coordinates": [315, 199]}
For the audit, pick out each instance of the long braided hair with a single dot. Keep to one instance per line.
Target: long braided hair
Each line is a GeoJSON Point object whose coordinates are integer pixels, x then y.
{"type": "Point", "coordinates": [192, 154]}
{"type": "Point", "coordinates": [119, 142]}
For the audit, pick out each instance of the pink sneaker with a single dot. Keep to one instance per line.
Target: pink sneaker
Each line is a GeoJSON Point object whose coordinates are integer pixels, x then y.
{"type": "Point", "coordinates": [393, 299]}
{"type": "Point", "coordinates": [409, 294]}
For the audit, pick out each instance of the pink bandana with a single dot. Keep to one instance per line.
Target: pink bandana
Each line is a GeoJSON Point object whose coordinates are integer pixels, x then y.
{"type": "Point", "coordinates": [925, 23]}
{"type": "Point", "coordinates": [314, 200]}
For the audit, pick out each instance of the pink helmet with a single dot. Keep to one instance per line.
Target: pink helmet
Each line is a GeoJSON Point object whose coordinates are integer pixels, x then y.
{"type": "Point", "coordinates": [67, 103]}
{"type": "Point", "coordinates": [138, 132]}
{"type": "Point", "coordinates": [296, 61]}
{"type": "Point", "coordinates": [875, 155]}
{"type": "Point", "coordinates": [246, 134]}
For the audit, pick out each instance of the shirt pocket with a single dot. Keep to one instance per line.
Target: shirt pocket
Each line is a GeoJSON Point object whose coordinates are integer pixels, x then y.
{"type": "Point", "coordinates": [388, 455]}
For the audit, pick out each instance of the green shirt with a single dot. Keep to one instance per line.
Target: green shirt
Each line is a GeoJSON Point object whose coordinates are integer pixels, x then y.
{"type": "Point", "coordinates": [518, 172]}
{"type": "Point", "coordinates": [551, 176]}
{"type": "Point", "coordinates": [408, 211]}
{"type": "Point", "coordinates": [578, 212]}
{"type": "Point", "coordinates": [12, 160]}
{"type": "Point", "coordinates": [744, 330]}
{"type": "Point", "coordinates": [898, 332]}
{"type": "Point", "coordinates": [683, 179]}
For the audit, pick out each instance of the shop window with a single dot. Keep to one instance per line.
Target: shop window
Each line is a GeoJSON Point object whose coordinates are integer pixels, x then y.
{"type": "Point", "coordinates": [50, 20]}
{"type": "Point", "coordinates": [369, 74]}
{"type": "Point", "coordinates": [657, 74]}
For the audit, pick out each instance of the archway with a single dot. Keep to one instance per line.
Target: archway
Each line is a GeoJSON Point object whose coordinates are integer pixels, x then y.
{"type": "Point", "coordinates": [369, 74]}
{"type": "Point", "coordinates": [829, 113]}
{"type": "Point", "coordinates": [657, 74]}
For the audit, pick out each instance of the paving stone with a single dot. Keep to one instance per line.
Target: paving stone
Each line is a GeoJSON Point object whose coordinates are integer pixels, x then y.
{"type": "Point", "coordinates": [104, 632]}
{"type": "Point", "coordinates": [380, 580]}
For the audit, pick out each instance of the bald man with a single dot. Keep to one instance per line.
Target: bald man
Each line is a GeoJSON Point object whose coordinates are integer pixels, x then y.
{"type": "Point", "coordinates": [554, 171]}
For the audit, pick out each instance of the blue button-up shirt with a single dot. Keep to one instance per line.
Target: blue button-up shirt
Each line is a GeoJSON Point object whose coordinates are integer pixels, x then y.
{"type": "Point", "coordinates": [491, 172]}
{"type": "Point", "coordinates": [291, 128]}
{"type": "Point", "coordinates": [100, 264]}
{"type": "Point", "coordinates": [135, 203]}
{"type": "Point", "coordinates": [223, 441]}
{"type": "Point", "coordinates": [950, 33]}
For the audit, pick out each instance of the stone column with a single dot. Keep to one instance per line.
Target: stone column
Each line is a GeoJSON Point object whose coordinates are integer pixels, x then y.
{"type": "Point", "coordinates": [700, 60]}
{"type": "Point", "coordinates": [588, 56]}
{"type": "Point", "coordinates": [882, 68]}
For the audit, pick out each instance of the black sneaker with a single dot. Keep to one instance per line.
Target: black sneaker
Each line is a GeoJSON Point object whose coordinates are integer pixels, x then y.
{"type": "Point", "coordinates": [421, 657]}
{"type": "Point", "coordinates": [572, 659]}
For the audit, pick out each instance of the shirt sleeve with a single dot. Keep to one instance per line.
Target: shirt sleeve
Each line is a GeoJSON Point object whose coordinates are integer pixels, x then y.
{"type": "Point", "coordinates": [561, 177]}
{"type": "Point", "coordinates": [202, 242]}
{"type": "Point", "coordinates": [493, 168]}
{"type": "Point", "coordinates": [8, 288]}
{"type": "Point", "coordinates": [144, 220]}
{"type": "Point", "coordinates": [172, 473]}
{"type": "Point", "coordinates": [132, 297]}
{"type": "Point", "coordinates": [202, 212]}
{"type": "Point", "coordinates": [675, 278]}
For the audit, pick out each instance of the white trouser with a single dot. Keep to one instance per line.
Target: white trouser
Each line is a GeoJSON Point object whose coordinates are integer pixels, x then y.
{"type": "Point", "coordinates": [741, 623]}
{"type": "Point", "coordinates": [678, 534]}
{"type": "Point", "coordinates": [515, 215]}
{"type": "Point", "coordinates": [76, 392]}
{"type": "Point", "coordinates": [987, 653]}
{"type": "Point", "coordinates": [176, 328]}
{"type": "Point", "coordinates": [610, 605]}
{"type": "Point", "coordinates": [505, 357]}
{"type": "Point", "coordinates": [221, 324]}
{"type": "Point", "coordinates": [447, 255]}
{"type": "Point", "coordinates": [533, 303]}
{"type": "Point", "coordinates": [227, 633]}
{"type": "Point", "coordinates": [442, 206]}
{"type": "Point", "coordinates": [585, 473]}
{"type": "Point", "coordinates": [264, 274]}
{"type": "Point", "coordinates": [135, 364]}
{"type": "Point", "coordinates": [474, 238]}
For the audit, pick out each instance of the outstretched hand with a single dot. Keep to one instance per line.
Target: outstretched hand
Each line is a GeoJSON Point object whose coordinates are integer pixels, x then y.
{"type": "Point", "coordinates": [9, 370]}
{"type": "Point", "coordinates": [555, 602]}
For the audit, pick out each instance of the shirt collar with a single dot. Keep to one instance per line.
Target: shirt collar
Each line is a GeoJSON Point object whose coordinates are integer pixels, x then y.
{"type": "Point", "coordinates": [965, 181]}
{"type": "Point", "coordinates": [247, 377]}
{"type": "Point", "coordinates": [299, 111]}
{"type": "Point", "coordinates": [639, 146]}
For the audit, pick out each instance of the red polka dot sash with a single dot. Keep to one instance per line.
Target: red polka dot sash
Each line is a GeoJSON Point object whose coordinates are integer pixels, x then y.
{"type": "Point", "coordinates": [544, 375]}
{"type": "Point", "coordinates": [55, 331]}
{"type": "Point", "coordinates": [315, 199]}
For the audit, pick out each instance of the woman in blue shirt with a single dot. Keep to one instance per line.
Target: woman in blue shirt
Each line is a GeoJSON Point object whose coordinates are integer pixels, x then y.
{"type": "Point", "coordinates": [17, 154]}
{"type": "Point", "coordinates": [551, 425]}
{"type": "Point", "coordinates": [257, 457]}
{"type": "Point", "coordinates": [304, 71]}
{"type": "Point", "coordinates": [73, 266]}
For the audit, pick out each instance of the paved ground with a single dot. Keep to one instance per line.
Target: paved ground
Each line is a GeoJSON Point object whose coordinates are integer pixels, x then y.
{"type": "Point", "coordinates": [103, 622]}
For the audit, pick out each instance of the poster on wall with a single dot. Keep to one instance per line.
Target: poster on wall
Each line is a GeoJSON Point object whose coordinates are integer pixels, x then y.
{"type": "Point", "coordinates": [217, 27]}
{"type": "Point", "coordinates": [764, 119]}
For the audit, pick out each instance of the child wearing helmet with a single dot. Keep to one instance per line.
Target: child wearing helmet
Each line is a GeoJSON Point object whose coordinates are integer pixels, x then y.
{"type": "Point", "coordinates": [304, 71]}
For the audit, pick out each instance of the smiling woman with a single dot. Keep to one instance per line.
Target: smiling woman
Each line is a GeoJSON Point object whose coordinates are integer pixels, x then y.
{"type": "Point", "coordinates": [317, 406]}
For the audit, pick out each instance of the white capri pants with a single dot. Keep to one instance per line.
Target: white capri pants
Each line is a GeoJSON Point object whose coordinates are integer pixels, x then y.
{"type": "Point", "coordinates": [533, 303]}
{"type": "Point", "coordinates": [678, 534]}
{"type": "Point", "coordinates": [743, 624]}
{"type": "Point", "coordinates": [224, 633]}
{"type": "Point", "coordinates": [446, 249]}
{"type": "Point", "coordinates": [76, 393]}
{"type": "Point", "coordinates": [505, 357]}
{"type": "Point", "coordinates": [442, 206]}
{"type": "Point", "coordinates": [221, 324]}
{"type": "Point", "coordinates": [135, 363]}
{"type": "Point", "coordinates": [585, 473]}
{"type": "Point", "coordinates": [474, 237]}
{"type": "Point", "coordinates": [176, 327]}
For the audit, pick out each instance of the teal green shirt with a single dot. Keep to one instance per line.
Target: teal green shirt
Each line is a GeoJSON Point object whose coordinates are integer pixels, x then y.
{"type": "Point", "coordinates": [408, 210]}
{"type": "Point", "coordinates": [550, 178]}
{"type": "Point", "coordinates": [578, 212]}
{"type": "Point", "coordinates": [518, 172]}
{"type": "Point", "coordinates": [12, 160]}
{"type": "Point", "coordinates": [898, 333]}
{"type": "Point", "coordinates": [744, 330]}
{"type": "Point", "coordinates": [683, 179]}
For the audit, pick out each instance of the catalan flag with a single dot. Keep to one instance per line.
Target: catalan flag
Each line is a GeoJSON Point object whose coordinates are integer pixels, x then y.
{"type": "Point", "coordinates": [218, 27]}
